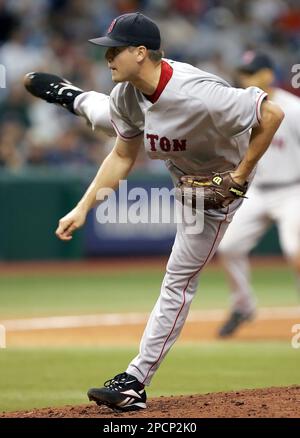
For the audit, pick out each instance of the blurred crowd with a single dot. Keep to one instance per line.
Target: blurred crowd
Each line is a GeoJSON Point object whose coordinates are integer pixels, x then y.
{"type": "Point", "coordinates": [52, 36]}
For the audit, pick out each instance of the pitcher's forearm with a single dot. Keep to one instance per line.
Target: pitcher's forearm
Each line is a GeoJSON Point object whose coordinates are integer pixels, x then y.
{"type": "Point", "coordinates": [261, 137]}
{"type": "Point", "coordinates": [113, 169]}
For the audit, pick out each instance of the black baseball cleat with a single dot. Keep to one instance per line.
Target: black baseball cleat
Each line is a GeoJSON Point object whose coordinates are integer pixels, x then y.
{"type": "Point", "coordinates": [52, 89]}
{"type": "Point", "coordinates": [123, 393]}
{"type": "Point", "coordinates": [235, 320]}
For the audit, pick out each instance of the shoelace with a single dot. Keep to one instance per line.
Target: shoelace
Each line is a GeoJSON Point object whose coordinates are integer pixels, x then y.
{"type": "Point", "coordinates": [53, 92]}
{"type": "Point", "coordinates": [117, 382]}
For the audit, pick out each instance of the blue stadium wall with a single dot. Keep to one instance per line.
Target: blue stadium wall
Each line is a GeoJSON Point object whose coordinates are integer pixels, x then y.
{"type": "Point", "coordinates": [33, 201]}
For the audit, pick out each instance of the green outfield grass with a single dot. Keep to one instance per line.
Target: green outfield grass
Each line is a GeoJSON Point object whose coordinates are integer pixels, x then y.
{"type": "Point", "coordinates": [37, 295]}
{"type": "Point", "coordinates": [32, 378]}
{"type": "Point", "coordinates": [51, 377]}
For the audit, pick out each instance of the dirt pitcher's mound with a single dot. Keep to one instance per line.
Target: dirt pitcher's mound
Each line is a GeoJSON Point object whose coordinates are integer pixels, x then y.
{"type": "Point", "coordinates": [269, 402]}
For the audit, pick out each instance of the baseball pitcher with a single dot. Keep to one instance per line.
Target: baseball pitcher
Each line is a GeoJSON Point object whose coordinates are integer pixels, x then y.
{"type": "Point", "coordinates": [209, 134]}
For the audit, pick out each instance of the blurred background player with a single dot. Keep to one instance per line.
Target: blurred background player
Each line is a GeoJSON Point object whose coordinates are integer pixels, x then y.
{"type": "Point", "coordinates": [274, 196]}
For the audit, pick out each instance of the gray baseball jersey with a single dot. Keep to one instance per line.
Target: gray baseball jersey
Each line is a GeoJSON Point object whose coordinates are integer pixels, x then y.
{"type": "Point", "coordinates": [199, 122]}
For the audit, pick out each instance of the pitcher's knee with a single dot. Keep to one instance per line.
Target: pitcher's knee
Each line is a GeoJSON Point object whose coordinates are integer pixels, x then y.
{"type": "Point", "coordinates": [179, 287]}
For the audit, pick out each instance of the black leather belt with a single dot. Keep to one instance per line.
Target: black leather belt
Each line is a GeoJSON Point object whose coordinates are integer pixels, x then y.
{"type": "Point", "coordinates": [274, 186]}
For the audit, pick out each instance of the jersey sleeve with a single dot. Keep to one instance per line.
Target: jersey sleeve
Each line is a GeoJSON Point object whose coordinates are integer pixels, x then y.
{"type": "Point", "coordinates": [120, 117]}
{"type": "Point", "coordinates": [234, 110]}
{"type": "Point", "coordinates": [94, 107]}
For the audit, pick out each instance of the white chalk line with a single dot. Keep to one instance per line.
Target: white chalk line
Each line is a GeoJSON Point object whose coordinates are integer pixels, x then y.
{"type": "Point", "coordinates": [118, 319]}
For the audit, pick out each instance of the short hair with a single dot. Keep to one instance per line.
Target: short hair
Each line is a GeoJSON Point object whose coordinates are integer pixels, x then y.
{"type": "Point", "coordinates": [154, 55]}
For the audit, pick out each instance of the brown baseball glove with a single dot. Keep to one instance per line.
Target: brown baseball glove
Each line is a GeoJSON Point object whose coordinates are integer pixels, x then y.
{"type": "Point", "coordinates": [218, 189]}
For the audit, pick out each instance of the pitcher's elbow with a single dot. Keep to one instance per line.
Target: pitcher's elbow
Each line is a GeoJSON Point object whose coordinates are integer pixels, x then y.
{"type": "Point", "coordinates": [273, 112]}
{"type": "Point", "coordinates": [278, 113]}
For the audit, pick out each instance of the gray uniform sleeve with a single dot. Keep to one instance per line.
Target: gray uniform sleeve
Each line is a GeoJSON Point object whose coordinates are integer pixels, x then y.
{"type": "Point", "coordinates": [234, 110]}
{"type": "Point", "coordinates": [120, 120]}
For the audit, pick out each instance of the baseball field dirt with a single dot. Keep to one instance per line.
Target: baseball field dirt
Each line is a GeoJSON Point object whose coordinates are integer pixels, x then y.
{"type": "Point", "coordinates": [256, 403]}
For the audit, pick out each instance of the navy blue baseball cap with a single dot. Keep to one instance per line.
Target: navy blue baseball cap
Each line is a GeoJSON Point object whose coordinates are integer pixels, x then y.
{"type": "Point", "coordinates": [133, 29]}
{"type": "Point", "coordinates": [253, 61]}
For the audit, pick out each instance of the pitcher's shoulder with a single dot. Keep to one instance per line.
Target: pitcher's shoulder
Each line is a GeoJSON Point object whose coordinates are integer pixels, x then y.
{"type": "Point", "coordinates": [188, 78]}
{"type": "Point", "coordinates": [123, 91]}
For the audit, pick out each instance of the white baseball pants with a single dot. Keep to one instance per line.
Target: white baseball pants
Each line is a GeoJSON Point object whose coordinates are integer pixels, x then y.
{"type": "Point", "coordinates": [280, 205]}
